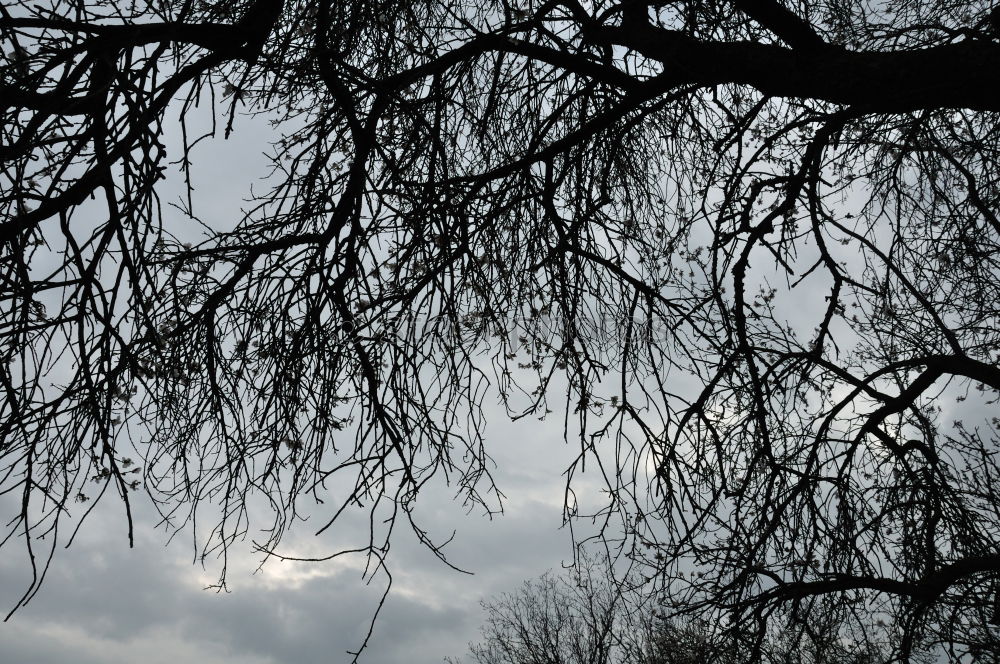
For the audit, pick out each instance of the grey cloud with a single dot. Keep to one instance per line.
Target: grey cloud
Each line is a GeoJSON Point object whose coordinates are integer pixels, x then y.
{"type": "Point", "coordinates": [101, 597]}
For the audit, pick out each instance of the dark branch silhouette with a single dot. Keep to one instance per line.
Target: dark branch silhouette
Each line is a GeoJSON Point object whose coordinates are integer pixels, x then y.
{"type": "Point", "coordinates": [747, 249]}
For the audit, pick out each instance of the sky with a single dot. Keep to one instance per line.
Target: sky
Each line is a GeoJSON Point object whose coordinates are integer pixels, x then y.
{"type": "Point", "coordinates": [104, 603]}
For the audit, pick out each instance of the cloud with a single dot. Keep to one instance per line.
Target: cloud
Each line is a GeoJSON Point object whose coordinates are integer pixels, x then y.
{"type": "Point", "coordinates": [103, 603]}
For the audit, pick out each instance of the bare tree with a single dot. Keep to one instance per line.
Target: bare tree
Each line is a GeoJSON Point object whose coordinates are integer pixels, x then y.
{"type": "Point", "coordinates": [580, 618]}
{"type": "Point", "coordinates": [644, 198]}
{"type": "Point", "coordinates": [586, 617]}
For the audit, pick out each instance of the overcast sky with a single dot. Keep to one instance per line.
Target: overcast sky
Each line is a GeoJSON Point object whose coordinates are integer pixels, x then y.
{"type": "Point", "coordinates": [104, 603]}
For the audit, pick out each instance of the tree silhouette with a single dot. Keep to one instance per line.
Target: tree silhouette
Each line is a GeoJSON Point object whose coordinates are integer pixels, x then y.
{"type": "Point", "coordinates": [585, 617]}
{"type": "Point", "coordinates": [755, 241]}
{"type": "Point", "coordinates": [575, 619]}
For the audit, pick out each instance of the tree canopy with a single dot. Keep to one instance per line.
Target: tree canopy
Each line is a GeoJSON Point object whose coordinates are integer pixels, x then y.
{"type": "Point", "coordinates": [585, 617]}
{"type": "Point", "coordinates": [746, 248]}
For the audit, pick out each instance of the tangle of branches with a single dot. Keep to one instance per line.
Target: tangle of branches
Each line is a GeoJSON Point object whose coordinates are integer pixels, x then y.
{"type": "Point", "coordinates": [747, 248]}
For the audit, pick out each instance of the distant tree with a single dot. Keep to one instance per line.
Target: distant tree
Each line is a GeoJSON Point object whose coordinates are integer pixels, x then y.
{"type": "Point", "coordinates": [750, 246]}
{"type": "Point", "coordinates": [672, 642]}
{"type": "Point", "coordinates": [585, 618]}
{"type": "Point", "coordinates": [574, 619]}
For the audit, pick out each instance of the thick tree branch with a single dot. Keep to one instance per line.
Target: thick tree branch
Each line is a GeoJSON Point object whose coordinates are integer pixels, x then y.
{"type": "Point", "coordinates": [925, 590]}
{"type": "Point", "coordinates": [784, 23]}
{"type": "Point", "coordinates": [963, 75]}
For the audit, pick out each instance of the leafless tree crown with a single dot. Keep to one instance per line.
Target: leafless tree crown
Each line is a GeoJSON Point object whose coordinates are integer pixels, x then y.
{"type": "Point", "coordinates": [756, 241]}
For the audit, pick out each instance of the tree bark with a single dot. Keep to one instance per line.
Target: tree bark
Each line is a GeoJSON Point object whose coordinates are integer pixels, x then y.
{"type": "Point", "coordinates": [961, 75]}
